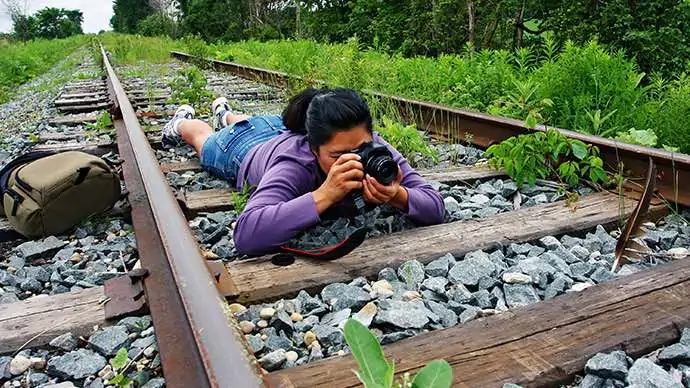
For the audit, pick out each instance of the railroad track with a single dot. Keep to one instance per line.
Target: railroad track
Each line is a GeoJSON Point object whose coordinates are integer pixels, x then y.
{"type": "Point", "coordinates": [188, 291]}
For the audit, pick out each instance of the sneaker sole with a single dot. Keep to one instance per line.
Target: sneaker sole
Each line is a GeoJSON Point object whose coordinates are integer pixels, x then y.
{"type": "Point", "coordinates": [214, 106]}
{"type": "Point", "coordinates": [217, 102]}
{"type": "Point", "coordinates": [188, 108]}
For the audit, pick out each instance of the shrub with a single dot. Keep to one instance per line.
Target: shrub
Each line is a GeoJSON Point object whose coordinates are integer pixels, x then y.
{"type": "Point", "coordinates": [542, 155]}
{"type": "Point", "coordinates": [157, 24]}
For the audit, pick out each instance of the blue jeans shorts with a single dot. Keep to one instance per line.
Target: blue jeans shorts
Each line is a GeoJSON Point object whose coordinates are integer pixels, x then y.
{"type": "Point", "coordinates": [223, 152]}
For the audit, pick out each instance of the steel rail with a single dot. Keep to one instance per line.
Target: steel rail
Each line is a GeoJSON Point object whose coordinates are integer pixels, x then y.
{"type": "Point", "coordinates": [199, 344]}
{"type": "Point", "coordinates": [453, 123]}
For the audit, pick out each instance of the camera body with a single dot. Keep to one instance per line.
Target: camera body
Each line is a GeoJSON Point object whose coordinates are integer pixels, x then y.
{"type": "Point", "coordinates": [378, 162]}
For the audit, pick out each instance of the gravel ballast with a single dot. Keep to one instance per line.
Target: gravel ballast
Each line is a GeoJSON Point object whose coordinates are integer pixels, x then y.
{"type": "Point", "coordinates": [70, 361]}
{"type": "Point", "coordinates": [667, 367]}
{"type": "Point", "coordinates": [414, 298]}
{"type": "Point", "coordinates": [96, 251]}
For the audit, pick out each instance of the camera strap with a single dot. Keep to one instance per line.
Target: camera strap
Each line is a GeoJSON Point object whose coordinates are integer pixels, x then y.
{"type": "Point", "coordinates": [333, 251]}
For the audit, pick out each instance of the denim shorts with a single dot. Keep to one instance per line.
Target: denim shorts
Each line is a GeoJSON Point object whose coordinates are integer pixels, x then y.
{"type": "Point", "coordinates": [223, 152]}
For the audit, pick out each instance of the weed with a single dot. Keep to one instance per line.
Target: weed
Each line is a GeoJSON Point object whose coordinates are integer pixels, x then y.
{"type": "Point", "coordinates": [597, 124]}
{"type": "Point", "coordinates": [406, 139]}
{"type": "Point", "coordinates": [469, 138]}
{"type": "Point", "coordinates": [189, 87]}
{"type": "Point", "coordinates": [103, 122]}
{"type": "Point", "coordinates": [375, 371]}
{"type": "Point", "coordinates": [128, 49]}
{"type": "Point", "coordinates": [645, 137]}
{"type": "Point", "coordinates": [198, 49]}
{"type": "Point", "coordinates": [119, 362]}
{"type": "Point", "coordinates": [239, 199]}
{"type": "Point", "coordinates": [540, 155]}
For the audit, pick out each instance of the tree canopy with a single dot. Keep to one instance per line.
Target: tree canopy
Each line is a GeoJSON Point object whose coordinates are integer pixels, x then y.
{"type": "Point", "coordinates": [47, 23]}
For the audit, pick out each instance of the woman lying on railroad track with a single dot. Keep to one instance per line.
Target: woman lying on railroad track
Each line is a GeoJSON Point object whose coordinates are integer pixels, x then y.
{"type": "Point", "coordinates": [303, 164]}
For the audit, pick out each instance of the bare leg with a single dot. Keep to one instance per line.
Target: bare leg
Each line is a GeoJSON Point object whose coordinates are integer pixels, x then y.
{"type": "Point", "coordinates": [195, 133]}
{"type": "Point", "coordinates": [232, 118]}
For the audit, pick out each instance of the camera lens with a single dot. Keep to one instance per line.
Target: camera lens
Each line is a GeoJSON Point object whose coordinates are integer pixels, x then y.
{"type": "Point", "coordinates": [384, 169]}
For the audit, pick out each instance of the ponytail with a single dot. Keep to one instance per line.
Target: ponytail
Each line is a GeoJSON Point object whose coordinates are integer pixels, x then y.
{"type": "Point", "coordinates": [318, 114]}
{"type": "Point", "coordinates": [295, 114]}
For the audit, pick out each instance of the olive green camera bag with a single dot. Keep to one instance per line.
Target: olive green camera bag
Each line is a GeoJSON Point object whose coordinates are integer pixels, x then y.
{"type": "Point", "coordinates": [54, 192]}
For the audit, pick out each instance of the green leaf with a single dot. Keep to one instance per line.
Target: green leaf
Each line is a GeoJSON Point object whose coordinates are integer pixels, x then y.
{"type": "Point", "coordinates": [530, 121]}
{"type": "Point", "coordinates": [579, 149]}
{"type": "Point", "coordinates": [120, 380]}
{"type": "Point", "coordinates": [374, 369]}
{"type": "Point", "coordinates": [120, 360]}
{"type": "Point", "coordinates": [436, 374]}
{"type": "Point", "coordinates": [645, 137]}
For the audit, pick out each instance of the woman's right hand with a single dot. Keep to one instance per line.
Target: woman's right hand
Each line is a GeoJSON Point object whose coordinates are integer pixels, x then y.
{"type": "Point", "coordinates": [345, 175]}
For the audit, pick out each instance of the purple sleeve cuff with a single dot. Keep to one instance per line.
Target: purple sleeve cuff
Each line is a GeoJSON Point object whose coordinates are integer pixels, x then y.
{"type": "Point", "coordinates": [425, 206]}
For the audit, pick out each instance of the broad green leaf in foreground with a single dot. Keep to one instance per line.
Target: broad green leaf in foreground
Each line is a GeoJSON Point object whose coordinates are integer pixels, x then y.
{"type": "Point", "coordinates": [436, 374]}
{"type": "Point", "coordinates": [374, 369]}
{"type": "Point", "coordinates": [118, 362]}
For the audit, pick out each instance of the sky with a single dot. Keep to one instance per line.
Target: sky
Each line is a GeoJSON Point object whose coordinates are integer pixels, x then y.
{"type": "Point", "coordinates": [97, 13]}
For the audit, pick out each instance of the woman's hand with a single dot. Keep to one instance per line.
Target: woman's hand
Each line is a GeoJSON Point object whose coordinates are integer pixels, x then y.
{"type": "Point", "coordinates": [345, 175]}
{"type": "Point", "coordinates": [378, 194]}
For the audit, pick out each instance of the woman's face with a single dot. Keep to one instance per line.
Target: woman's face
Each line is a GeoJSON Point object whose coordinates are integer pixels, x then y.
{"type": "Point", "coordinates": [342, 142]}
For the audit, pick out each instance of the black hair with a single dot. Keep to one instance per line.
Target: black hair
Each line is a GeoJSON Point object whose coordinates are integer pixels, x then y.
{"type": "Point", "coordinates": [319, 113]}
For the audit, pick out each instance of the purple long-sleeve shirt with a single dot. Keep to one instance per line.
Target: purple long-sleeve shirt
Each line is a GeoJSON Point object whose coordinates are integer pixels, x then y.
{"type": "Point", "coordinates": [285, 172]}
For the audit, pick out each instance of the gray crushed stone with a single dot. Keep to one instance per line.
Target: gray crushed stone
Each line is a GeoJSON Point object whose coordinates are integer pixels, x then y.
{"type": "Point", "coordinates": [414, 298]}
{"type": "Point", "coordinates": [72, 362]}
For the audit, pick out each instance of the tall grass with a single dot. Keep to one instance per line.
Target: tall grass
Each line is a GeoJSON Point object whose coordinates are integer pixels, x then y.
{"type": "Point", "coordinates": [131, 49]}
{"type": "Point", "coordinates": [586, 89]}
{"type": "Point", "coordinates": [22, 62]}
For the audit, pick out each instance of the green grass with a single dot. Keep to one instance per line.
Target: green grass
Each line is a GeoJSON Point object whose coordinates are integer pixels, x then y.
{"type": "Point", "coordinates": [586, 89]}
{"type": "Point", "coordinates": [132, 49]}
{"type": "Point", "coordinates": [22, 62]}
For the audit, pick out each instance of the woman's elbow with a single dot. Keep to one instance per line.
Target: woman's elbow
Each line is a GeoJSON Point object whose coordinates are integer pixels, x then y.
{"type": "Point", "coordinates": [438, 212]}
{"type": "Point", "coordinates": [437, 216]}
{"type": "Point", "coordinates": [245, 239]}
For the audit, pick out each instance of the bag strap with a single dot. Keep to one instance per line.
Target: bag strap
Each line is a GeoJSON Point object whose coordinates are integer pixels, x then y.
{"type": "Point", "coordinates": [28, 157]}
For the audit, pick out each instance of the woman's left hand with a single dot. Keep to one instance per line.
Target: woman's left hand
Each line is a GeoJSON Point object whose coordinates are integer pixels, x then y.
{"type": "Point", "coordinates": [378, 194]}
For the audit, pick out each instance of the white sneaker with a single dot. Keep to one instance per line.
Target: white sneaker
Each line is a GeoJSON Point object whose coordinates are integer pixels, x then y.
{"type": "Point", "coordinates": [220, 109]}
{"type": "Point", "coordinates": [170, 133]}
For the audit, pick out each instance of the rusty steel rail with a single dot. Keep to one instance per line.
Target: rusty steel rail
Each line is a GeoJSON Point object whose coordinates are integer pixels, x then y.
{"type": "Point", "coordinates": [452, 123]}
{"type": "Point", "coordinates": [199, 344]}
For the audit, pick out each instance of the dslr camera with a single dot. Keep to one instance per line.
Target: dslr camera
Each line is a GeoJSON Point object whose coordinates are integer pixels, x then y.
{"type": "Point", "coordinates": [378, 162]}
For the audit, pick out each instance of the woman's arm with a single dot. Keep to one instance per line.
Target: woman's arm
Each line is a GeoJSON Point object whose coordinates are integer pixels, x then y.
{"type": "Point", "coordinates": [282, 206]}
{"type": "Point", "coordinates": [420, 201]}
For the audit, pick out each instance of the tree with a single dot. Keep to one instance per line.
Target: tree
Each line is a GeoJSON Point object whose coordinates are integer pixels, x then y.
{"type": "Point", "coordinates": [21, 22]}
{"type": "Point", "coordinates": [57, 23]}
{"type": "Point", "coordinates": [128, 13]}
{"type": "Point", "coordinates": [655, 32]}
{"type": "Point", "coordinates": [158, 24]}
